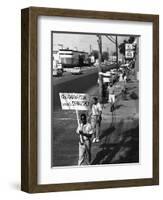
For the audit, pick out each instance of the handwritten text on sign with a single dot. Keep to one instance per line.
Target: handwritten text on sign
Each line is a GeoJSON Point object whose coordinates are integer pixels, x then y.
{"type": "Point", "coordinates": [74, 101]}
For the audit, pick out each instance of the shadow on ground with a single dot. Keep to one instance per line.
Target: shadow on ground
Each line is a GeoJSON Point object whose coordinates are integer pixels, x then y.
{"type": "Point", "coordinates": [123, 150]}
{"type": "Point", "coordinates": [106, 132]}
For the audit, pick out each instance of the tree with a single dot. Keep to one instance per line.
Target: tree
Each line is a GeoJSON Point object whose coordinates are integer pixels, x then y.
{"type": "Point", "coordinates": [95, 53]}
{"type": "Point", "coordinates": [105, 55]}
{"type": "Point", "coordinates": [122, 47]}
{"type": "Point", "coordinates": [131, 39]}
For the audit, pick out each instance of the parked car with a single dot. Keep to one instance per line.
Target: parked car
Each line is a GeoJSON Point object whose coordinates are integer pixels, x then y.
{"type": "Point", "coordinates": [57, 72]}
{"type": "Point", "coordinates": [76, 71]}
{"type": "Point", "coordinates": [59, 66]}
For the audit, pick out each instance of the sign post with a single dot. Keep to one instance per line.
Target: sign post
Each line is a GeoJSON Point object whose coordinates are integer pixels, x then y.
{"type": "Point", "coordinates": [77, 116]}
{"type": "Point", "coordinates": [129, 51]}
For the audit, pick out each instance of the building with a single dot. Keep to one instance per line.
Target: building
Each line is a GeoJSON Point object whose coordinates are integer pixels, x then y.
{"type": "Point", "coordinates": [69, 58]}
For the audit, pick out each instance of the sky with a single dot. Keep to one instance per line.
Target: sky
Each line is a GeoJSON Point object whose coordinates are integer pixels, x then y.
{"type": "Point", "coordinates": [82, 42]}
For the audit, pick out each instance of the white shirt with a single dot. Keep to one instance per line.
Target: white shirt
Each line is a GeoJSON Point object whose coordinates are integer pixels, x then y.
{"type": "Point", "coordinates": [111, 90]}
{"type": "Point", "coordinates": [85, 128]}
{"type": "Point", "coordinates": [96, 109]}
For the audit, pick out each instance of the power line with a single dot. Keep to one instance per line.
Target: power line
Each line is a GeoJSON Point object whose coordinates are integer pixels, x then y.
{"type": "Point", "coordinates": [110, 39]}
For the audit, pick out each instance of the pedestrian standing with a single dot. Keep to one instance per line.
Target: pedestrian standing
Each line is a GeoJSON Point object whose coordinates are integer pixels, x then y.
{"type": "Point", "coordinates": [124, 88]}
{"type": "Point", "coordinates": [111, 97]}
{"type": "Point", "coordinates": [95, 115]}
{"type": "Point", "coordinates": [125, 78]}
{"type": "Point", "coordinates": [85, 132]}
{"type": "Point", "coordinates": [121, 77]}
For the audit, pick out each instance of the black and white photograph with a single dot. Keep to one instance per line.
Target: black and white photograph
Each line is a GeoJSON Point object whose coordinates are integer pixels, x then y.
{"type": "Point", "coordinates": [95, 99]}
{"type": "Point", "coordinates": [90, 99]}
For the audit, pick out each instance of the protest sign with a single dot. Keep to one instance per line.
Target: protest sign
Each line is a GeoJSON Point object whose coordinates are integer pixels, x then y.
{"type": "Point", "coordinates": [74, 101]}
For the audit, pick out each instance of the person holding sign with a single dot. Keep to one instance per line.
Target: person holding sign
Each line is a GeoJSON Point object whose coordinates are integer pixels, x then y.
{"type": "Point", "coordinates": [85, 132]}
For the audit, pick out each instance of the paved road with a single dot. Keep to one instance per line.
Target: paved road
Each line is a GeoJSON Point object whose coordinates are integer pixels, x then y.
{"type": "Point", "coordinates": [75, 83]}
{"type": "Point", "coordinates": [67, 76]}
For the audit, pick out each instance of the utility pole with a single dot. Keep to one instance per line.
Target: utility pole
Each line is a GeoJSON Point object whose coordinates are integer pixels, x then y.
{"type": "Point", "coordinates": [116, 43]}
{"type": "Point", "coordinates": [100, 68]}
